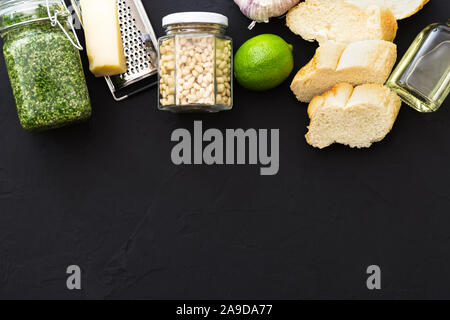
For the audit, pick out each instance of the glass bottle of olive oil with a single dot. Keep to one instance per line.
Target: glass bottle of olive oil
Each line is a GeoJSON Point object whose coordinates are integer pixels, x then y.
{"type": "Point", "coordinates": [422, 78]}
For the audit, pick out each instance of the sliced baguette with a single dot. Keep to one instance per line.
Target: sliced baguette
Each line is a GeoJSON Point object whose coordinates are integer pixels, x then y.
{"type": "Point", "coordinates": [325, 20]}
{"type": "Point", "coordinates": [368, 61]}
{"type": "Point", "coordinates": [356, 117]}
{"type": "Point", "coordinates": [400, 8]}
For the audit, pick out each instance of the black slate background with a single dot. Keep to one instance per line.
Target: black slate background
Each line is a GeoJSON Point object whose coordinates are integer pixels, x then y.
{"type": "Point", "coordinates": [105, 196]}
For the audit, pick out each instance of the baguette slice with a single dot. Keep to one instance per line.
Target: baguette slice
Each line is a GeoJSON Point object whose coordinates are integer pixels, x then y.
{"type": "Point", "coordinates": [356, 117]}
{"type": "Point", "coordinates": [325, 20]}
{"type": "Point", "coordinates": [368, 61]}
{"type": "Point", "coordinates": [400, 8]}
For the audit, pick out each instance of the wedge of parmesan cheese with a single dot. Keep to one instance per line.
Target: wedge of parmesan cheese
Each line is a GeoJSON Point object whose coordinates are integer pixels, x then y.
{"type": "Point", "coordinates": [103, 38]}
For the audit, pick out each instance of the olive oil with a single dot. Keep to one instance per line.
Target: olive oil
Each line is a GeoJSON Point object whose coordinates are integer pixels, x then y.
{"type": "Point", "coordinates": [422, 78]}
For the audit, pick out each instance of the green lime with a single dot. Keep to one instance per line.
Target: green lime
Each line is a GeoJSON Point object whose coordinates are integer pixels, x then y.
{"type": "Point", "coordinates": [263, 62]}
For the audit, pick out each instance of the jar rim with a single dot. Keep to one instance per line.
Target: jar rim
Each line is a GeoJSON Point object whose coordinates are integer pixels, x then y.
{"type": "Point", "coordinates": [194, 17]}
{"type": "Point", "coordinates": [25, 10]}
{"type": "Point", "coordinates": [10, 6]}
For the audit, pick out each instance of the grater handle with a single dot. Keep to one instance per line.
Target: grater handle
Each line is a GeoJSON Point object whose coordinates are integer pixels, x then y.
{"type": "Point", "coordinates": [124, 97]}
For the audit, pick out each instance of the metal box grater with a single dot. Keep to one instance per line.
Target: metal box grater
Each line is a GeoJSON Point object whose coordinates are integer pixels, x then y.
{"type": "Point", "coordinates": [140, 46]}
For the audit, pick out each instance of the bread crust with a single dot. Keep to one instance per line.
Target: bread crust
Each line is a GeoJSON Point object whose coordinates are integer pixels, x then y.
{"type": "Point", "coordinates": [344, 100]}
{"type": "Point", "coordinates": [388, 22]}
{"type": "Point", "coordinates": [392, 4]}
{"type": "Point", "coordinates": [415, 11]}
{"type": "Point", "coordinates": [337, 20]}
{"type": "Point", "coordinates": [369, 61]}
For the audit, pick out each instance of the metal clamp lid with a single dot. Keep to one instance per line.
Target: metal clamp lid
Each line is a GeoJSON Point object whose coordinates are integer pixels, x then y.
{"type": "Point", "coordinates": [54, 21]}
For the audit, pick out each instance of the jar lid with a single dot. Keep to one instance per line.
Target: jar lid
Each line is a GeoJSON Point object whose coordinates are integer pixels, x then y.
{"type": "Point", "coordinates": [194, 17]}
{"type": "Point", "coordinates": [18, 12]}
{"type": "Point", "coordinates": [18, 6]}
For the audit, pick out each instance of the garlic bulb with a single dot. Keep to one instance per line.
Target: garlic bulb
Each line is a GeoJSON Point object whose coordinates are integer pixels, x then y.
{"type": "Point", "coordinates": [263, 10]}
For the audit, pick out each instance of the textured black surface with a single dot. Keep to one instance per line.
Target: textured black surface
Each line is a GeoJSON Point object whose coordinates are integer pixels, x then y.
{"type": "Point", "coordinates": [105, 195]}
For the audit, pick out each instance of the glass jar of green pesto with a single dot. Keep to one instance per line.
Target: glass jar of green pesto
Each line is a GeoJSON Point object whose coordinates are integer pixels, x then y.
{"type": "Point", "coordinates": [42, 56]}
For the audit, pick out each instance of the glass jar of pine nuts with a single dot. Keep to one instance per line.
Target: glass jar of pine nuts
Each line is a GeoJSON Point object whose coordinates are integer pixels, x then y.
{"type": "Point", "coordinates": [195, 63]}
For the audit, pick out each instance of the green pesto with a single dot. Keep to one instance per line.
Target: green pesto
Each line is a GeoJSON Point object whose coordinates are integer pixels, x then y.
{"type": "Point", "coordinates": [46, 74]}
{"type": "Point", "coordinates": [26, 15]}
